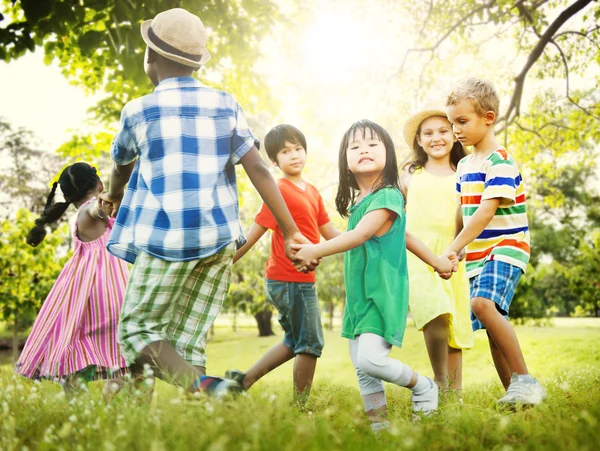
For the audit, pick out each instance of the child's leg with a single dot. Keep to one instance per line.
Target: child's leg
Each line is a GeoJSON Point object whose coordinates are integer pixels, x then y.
{"type": "Point", "coordinates": [454, 368]}
{"type": "Point", "coordinates": [373, 359]}
{"type": "Point", "coordinates": [274, 357]}
{"type": "Point", "coordinates": [304, 372]}
{"type": "Point", "coordinates": [436, 341]}
{"type": "Point", "coordinates": [167, 312]}
{"type": "Point", "coordinates": [500, 363]}
{"type": "Point", "coordinates": [502, 334]}
{"type": "Point", "coordinates": [371, 391]}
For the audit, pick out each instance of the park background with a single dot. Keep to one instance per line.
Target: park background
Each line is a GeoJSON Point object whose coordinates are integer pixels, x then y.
{"type": "Point", "coordinates": [67, 68]}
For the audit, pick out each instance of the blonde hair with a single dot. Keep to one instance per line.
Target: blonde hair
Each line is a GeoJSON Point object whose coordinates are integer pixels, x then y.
{"type": "Point", "coordinates": [479, 91]}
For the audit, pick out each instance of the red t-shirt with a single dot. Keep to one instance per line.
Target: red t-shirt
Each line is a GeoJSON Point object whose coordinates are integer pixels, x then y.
{"type": "Point", "coordinates": [308, 212]}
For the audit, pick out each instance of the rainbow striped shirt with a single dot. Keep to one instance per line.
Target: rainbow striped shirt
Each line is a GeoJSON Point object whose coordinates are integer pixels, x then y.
{"type": "Point", "coordinates": [506, 237]}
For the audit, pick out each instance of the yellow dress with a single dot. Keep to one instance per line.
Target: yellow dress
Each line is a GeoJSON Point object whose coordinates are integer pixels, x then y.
{"type": "Point", "coordinates": [430, 214]}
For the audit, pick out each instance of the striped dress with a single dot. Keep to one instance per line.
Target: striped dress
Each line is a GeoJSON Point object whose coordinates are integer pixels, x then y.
{"type": "Point", "coordinates": [76, 328]}
{"type": "Point", "coordinates": [506, 237]}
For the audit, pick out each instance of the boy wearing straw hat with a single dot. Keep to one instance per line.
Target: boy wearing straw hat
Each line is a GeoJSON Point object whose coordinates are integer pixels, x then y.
{"type": "Point", "coordinates": [178, 219]}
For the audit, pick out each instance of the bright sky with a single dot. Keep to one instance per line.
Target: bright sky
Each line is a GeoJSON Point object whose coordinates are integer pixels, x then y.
{"type": "Point", "coordinates": [38, 97]}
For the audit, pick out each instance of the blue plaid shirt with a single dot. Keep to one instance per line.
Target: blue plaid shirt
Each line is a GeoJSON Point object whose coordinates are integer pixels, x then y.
{"type": "Point", "coordinates": [181, 202]}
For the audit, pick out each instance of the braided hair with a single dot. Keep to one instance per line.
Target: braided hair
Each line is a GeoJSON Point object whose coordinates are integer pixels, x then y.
{"type": "Point", "coordinates": [75, 182]}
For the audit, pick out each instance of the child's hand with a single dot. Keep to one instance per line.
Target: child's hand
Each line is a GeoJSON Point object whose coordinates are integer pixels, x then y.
{"type": "Point", "coordinates": [109, 203]}
{"type": "Point", "coordinates": [306, 257]}
{"type": "Point", "coordinates": [462, 254]}
{"type": "Point", "coordinates": [447, 264]}
{"type": "Point", "coordinates": [292, 245]}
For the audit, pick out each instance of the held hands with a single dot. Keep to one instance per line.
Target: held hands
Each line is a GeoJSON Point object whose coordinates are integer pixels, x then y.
{"type": "Point", "coordinates": [109, 203]}
{"type": "Point", "coordinates": [307, 258]}
{"type": "Point", "coordinates": [448, 263]}
{"type": "Point", "coordinates": [292, 245]}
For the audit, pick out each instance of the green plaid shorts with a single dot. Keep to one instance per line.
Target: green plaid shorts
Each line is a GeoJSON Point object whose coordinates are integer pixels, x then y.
{"type": "Point", "coordinates": [175, 302]}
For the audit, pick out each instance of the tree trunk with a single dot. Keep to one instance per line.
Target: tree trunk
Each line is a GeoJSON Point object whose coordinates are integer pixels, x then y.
{"type": "Point", "coordinates": [15, 343]}
{"type": "Point", "coordinates": [234, 322]}
{"type": "Point", "coordinates": [263, 321]}
{"type": "Point", "coordinates": [212, 330]}
{"type": "Point", "coordinates": [331, 307]}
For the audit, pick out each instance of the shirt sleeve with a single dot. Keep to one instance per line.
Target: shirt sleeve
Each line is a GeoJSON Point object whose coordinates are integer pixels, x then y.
{"type": "Point", "coordinates": [322, 216]}
{"type": "Point", "coordinates": [265, 218]}
{"type": "Point", "coordinates": [123, 150]}
{"type": "Point", "coordinates": [389, 199]}
{"type": "Point", "coordinates": [501, 182]}
{"type": "Point", "coordinates": [242, 139]}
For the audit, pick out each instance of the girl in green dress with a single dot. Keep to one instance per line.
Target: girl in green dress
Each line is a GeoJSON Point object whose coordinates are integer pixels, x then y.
{"type": "Point", "coordinates": [375, 268]}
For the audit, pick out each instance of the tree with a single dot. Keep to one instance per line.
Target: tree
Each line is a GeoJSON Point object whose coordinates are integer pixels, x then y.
{"type": "Point", "coordinates": [98, 44]}
{"type": "Point", "coordinates": [26, 273]}
{"type": "Point", "coordinates": [554, 40]}
{"type": "Point", "coordinates": [26, 171]}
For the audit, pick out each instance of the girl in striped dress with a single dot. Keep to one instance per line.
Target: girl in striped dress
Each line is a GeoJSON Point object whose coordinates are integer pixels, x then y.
{"type": "Point", "coordinates": [74, 338]}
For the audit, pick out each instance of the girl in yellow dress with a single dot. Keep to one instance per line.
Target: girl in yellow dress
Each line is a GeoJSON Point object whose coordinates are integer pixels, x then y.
{"type": "Point", "coordinates": [440, 308]}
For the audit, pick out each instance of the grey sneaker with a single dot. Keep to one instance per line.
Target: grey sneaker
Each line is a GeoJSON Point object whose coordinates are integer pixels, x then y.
{"type": "Point", "coordinates": [523, 390]}
{"type": "Point", "coordinates": [427, 401]}
{"type": "Point", "coordinates": [236, 375]}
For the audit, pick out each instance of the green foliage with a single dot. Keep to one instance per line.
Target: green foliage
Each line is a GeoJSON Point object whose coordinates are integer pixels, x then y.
{"type": "Point", "coordinates": [27, 273]}
{"type": "Point", "coordinates": [99, 47]}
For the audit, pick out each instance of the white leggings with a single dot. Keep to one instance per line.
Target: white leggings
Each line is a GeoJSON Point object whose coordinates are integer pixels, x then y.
{"type": "Point", "coordinates": [370, 357]}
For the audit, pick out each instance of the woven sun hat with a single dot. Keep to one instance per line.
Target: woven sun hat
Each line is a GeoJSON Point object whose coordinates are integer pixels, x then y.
{"type": "Point", "coordinates": [179, 36]}
{"type": "Point", "coordinates": [412, 123]}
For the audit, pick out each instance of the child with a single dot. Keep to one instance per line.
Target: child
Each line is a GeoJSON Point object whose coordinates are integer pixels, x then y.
{"type": "Point", "coordinates": [178, 221]}
{"type": "Point", "coordinates": [375, 268]}
{"type": "Point", "coordinates": [74, 337]}
{"type": "Point", "coordinates": [293, 293]}
{"type": "Point", "coordinates": [440, 308]}
{"type": "Point", "coordinates": [492, 207]}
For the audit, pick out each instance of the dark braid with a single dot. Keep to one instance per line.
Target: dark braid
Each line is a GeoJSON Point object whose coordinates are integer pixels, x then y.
{"type": "Point", "coordinates": [75, 182]}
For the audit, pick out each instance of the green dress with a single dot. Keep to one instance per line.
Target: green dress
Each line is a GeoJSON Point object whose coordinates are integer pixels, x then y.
{"type": "Point", "coordinates": [376, 274]}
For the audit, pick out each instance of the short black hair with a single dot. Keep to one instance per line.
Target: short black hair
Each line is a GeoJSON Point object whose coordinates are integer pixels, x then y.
{"type": "Point", "coordinates": [278, 135]}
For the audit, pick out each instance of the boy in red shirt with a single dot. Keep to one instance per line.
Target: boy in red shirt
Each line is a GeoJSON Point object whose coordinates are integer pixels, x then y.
{"type": "Point", "coordinates": [293, 293]}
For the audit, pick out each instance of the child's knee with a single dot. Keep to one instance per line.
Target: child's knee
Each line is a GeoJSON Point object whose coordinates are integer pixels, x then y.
{"type": "Point", "coordinates": [481, 306]}
{"type": "Point", "coordinates": [370, 365]}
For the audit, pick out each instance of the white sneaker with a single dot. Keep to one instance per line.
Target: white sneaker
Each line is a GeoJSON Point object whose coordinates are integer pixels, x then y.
{"type": "Point", "coordinates": [427, 401]}
{"type": "Point", "coordinates": [523, 390]}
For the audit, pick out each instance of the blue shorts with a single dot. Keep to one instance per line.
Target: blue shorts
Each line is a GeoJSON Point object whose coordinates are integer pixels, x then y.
{"type": "Point", "coordinates": [299, 315]}
{"type": "Point", "coordinates": [496, 282]}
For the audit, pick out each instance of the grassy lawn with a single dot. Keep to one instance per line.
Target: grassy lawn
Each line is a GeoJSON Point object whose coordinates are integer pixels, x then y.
{"type": "Point", "coordinates": [566, 358]}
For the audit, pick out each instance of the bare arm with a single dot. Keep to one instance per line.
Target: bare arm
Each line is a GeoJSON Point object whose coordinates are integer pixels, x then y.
{"type": "Point", "coordinates": [328, 231]}
{"type": "Point", "coordinates": [264, 183]}
{"type": "Point", "coordinates": [254, 234]}
{"type": "Point", "coordinates": [119, 177]}
{"type": "Point", "coordinates": [371, 224]}
{"type": "Point", "coordinates": [405, 178]}
{"type": "Point", "coordinates": [441, 265]}
{"type": "Point", "coordinates": [477, 224]}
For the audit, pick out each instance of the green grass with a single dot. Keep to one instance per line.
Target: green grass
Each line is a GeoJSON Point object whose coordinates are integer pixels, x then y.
{"type": "Point", "coordinates": [566, 358]}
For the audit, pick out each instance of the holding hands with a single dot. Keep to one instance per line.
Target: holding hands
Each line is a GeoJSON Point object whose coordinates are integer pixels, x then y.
{"type": "Point", "coordinates": [297, 249]}
{"type": "Point", "coordinates": [448, 263]}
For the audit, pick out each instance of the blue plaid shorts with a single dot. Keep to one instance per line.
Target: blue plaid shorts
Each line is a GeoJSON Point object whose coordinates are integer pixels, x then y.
{"type": "Point", "coordinates": [497, 282]}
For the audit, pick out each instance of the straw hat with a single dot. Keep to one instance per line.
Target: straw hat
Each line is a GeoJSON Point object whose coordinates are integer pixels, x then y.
{"type": "Point", "coordinates": [179, 36]}
{"type": "Point", "coordinates": [412, 123]}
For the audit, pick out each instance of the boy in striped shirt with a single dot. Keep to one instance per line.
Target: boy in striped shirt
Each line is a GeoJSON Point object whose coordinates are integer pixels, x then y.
{"type": "Point", "coordinates": [492, 221]}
